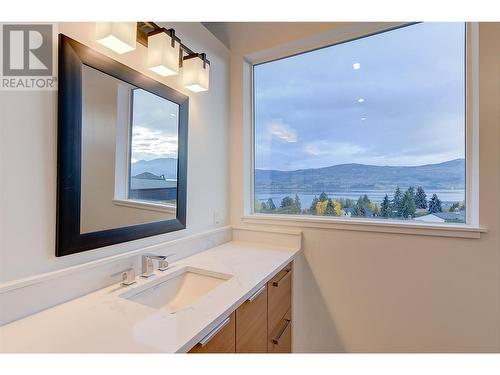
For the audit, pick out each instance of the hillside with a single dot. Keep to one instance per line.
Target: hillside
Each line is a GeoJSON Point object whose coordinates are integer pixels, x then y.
{"type": "Point", "coordinates": [158, 167]}
{"type": "Point", "coordinates": [446, 176]}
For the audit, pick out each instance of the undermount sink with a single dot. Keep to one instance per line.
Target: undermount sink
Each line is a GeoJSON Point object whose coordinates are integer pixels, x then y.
{"type": "Point", "coordinates": [176, 290]}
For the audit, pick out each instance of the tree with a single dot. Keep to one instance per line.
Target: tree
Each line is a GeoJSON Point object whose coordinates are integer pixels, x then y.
{"type": "Point", "coordinates": [385, 208]}
{"type": "Point", "coordinates": [411, 190]}
{"type": "Point", "coordinates": [337, 208]}
{"type": "Point", "coordinates": [263, 206]}
{"type": "Point", "coordinates": [421, 198]}
{"type": "Point", "coordinates": [270, 204]}
{"type": "Point", "coordinates": [321, 207]}
{"type": "Point", "coordinates": [408, 207]}
{"type": "Point", "coordinates": [257, 205]}
{"type": "Point", "coordinates": [347, 203]}
{"type": "Point", "coordinates": [287, 202]}
{"type": "Point", "coordinates": [396, 201]}
{"type": "Point", "coordinates": [375, 208]}
{"type": "Point", "coordinates": [314, 203]}
{"type": "Point", "coordinates": [297, 207]}
{"type": "Point", "coordinates": [329, 211]}
{"type": "Point", "coordinates": [358, 211]}
{"type": "Point", "coordinates": [455, 207]}
{"type": "Point", "coordinates": [362, 205]}
{"type": "Point", "coordinates": [435, 204]}
{"type": "Point", "coordinates": [363, 201]}
{"type": "Point", "coordinates": [323, 197]}
{"type": "Point", "coordinates": [333, 208]}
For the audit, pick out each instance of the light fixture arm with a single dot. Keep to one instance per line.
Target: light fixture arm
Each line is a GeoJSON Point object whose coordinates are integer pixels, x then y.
{"type": "Point", "coordinates": [145, 29]}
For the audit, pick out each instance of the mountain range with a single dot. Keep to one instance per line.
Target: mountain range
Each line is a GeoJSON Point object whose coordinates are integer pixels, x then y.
{"type": "Point", "coordinates": [448, 175]}
{"type": "Point", "coordinates": [158, 167]}
{"type": "Point", "coordinates": [344, 177]}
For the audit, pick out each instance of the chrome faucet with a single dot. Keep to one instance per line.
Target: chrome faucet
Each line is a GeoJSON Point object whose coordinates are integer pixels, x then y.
{"type": "Point", "coordinates": [148, 266]}
{"type": "Point", "coordinates": [128, 276]}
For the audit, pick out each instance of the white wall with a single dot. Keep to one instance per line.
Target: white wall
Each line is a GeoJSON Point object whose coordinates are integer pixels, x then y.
{"type": "Point", "coordinates": [386, 292]}
{"type": "Point", "coordinates": [28, 130]}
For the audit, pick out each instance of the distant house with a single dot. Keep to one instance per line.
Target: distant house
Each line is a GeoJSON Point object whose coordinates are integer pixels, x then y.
{"type": "Point", "coordinates": [442, 217]}
{"type": "Point", "coordinates": [369, 213]}
{"type": "Point", "coordinates": [150, 187]}
{"type": "Point", "coordinates": [348, 212]}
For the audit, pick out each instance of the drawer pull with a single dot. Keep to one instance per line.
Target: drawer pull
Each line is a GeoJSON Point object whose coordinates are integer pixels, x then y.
{"type": "Point", "coordinates": [204, 341]}
{"type": "Point", "coordinates": [283, 278]}
{"type": "Point", "coordinates": [276, 340]}
{"type": "Point", "coordinates": [256, 294]}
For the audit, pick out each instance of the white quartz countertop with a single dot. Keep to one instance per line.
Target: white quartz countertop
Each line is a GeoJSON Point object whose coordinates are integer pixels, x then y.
{"type": "Point", "coordinates": [104, 322]}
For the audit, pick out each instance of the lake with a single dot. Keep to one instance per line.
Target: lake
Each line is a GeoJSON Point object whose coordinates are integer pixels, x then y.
{"type": "Point", "coordinates": [446, 196]}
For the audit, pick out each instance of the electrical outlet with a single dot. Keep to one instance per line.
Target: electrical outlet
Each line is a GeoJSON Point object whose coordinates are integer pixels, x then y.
{"type": "Point", "coordinates": [217, 217]}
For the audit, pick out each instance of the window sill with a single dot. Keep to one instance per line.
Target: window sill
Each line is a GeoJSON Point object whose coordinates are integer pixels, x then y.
{"type": "Point", "coordinates": [382, 226]}
{"type": "Point", "coordinates": [145, 206]}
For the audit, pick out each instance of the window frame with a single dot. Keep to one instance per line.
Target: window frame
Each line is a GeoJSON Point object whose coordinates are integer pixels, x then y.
{"type": "Point", "coordinates": [470, 229]}
{"type": "Point", "coordinates": [123, 184]}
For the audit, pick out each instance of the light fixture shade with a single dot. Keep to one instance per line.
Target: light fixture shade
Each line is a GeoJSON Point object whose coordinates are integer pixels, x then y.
{"type": "Point", "coordinates": [195, 75]}
{"type": "Point", "coordinates": [118, 36]}
{"type": "Point", "coordinates": [163, 58]}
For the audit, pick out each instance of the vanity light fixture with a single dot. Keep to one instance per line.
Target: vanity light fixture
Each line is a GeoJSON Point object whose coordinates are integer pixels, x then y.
{"type": "Point", "coordinates": [118, 36]}
{"type": "Point", "coordinates": [166, 53]}
{"type": "Point", "coordinates": [163, 52]}
{"type": "Point", "coordinates": [195, 71]}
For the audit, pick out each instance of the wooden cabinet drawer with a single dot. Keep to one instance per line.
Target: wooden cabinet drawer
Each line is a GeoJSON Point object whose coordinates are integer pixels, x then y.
{"type": "Point", "coordinates": [280, 339]}
{"type": "Point", "coordinates": [261, 324]}
{"type": "Point", "coordinates": [279, 297]}
{"type": "Point", "coordinates": [220, 340]}
{"type": "Point", "coordinates": [251, 324]}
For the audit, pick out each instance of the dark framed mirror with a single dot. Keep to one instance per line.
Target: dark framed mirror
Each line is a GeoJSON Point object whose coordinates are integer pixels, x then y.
{"type": "Point", "coordinates": [122, 152]}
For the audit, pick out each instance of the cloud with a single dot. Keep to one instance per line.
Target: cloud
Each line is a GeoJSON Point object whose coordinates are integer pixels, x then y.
{"type": "Point", "coordinates": [150, 144]}
{"type": "Point", "coordinates": [278, 129]}
{"type": "Point", "coordinates": [413, 108]}
{"type": "Point", "coordinates": [325, 153]}
{"type": "Point", "coordinates": [336, 150]}
{"type": "Point", "coordinates": [311, 149]}
{"type": "Point", "coordinates": [155, 112]}
{"type": "Point", "coordinates": [155, 127]}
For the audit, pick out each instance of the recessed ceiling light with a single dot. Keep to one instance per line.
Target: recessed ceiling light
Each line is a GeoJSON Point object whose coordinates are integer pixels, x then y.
{"type": "Point", "coordinates": [356, 66]}
{"type": "Point", "coordinates": [361, 100]}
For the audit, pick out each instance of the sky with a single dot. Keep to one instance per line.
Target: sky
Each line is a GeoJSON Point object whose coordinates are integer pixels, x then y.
{"type": "Point", "coordinates": [396, 98]}
{"type": "Point", "coordinates": [154, 127]}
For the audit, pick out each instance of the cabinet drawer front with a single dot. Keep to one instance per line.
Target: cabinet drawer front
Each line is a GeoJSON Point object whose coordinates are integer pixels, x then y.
{"type": "Point", "coordinates": [251, 324]}
{"type": "Point", "coordinates": [279, 297]}
{"type": "Point", "coordinates": [220, 340]}
{"type": "Point", "coordinates": [280, 340]}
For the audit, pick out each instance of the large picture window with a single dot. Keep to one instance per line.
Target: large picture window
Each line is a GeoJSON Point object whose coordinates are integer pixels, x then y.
{"type": "Point", "coordinates": [368, 128]}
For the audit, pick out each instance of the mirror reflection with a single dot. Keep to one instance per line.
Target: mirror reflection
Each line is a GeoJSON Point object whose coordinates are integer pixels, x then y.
{"type": "Point", "coordinates": [129, 154]}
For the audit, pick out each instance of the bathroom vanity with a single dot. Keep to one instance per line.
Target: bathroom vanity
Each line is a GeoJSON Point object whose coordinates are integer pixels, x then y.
{"type": "Point", "coordinates": [233, 298]}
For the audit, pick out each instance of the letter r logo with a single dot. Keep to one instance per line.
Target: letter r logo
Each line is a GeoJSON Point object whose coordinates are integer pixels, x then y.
{"type": "Point", "coordinates": [27, 50]}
